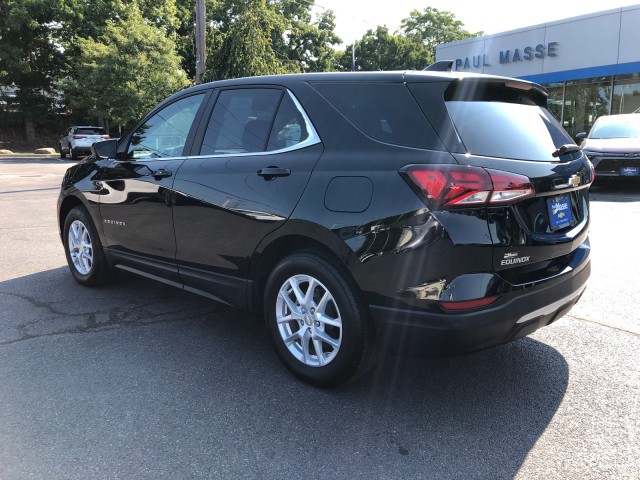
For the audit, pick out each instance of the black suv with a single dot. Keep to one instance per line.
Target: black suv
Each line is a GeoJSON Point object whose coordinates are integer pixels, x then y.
{"type": "Point", "coordinates": [355, 211]}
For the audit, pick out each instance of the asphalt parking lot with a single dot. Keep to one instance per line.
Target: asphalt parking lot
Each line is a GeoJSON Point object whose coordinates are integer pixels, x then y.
{"type": "Point", "coordinates": [140, 380]}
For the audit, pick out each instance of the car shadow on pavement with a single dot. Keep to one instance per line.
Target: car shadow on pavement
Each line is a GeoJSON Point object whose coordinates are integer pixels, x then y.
{"type": "Point", "coordinates": [149, 379]}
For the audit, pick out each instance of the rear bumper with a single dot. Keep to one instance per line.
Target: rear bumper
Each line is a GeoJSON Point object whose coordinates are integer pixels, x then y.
{"type": "Point", "coordinates": [520, 313]}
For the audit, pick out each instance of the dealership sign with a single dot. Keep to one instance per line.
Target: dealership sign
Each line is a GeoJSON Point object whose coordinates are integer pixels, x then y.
{"type": "Point", "coordinates": [526, 54]}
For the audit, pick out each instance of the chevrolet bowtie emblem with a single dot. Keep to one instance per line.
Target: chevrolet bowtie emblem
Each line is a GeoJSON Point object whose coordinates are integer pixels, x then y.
{"type": "Point", "coordinates": [574, 180]}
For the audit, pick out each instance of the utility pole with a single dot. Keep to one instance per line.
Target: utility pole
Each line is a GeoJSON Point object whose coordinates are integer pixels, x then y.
{"type": "Point", "coordinates": [200, 40]}
{"type": "Point", "coordinates": [353, 56]}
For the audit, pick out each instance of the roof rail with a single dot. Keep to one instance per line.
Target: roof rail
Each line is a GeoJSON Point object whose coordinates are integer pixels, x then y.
{"type": "Point", "coordinates": [441, 66]}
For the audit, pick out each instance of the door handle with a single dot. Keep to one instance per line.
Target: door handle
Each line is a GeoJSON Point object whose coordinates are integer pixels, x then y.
{"type": "Point", "coordinates": [161, 173]}
{"type": "Point", "coordinates": [270, 173]}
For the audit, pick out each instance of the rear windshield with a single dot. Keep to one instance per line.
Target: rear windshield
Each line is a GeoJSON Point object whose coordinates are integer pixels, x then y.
{"type": "Point", "coordinates": [615, 128]}
{"type": "Point", "coordinates": [507, 130]}
{"type": "Point", "coordinates": [90, 131]}
{"type": "Point", "coordinates": [384, 111]}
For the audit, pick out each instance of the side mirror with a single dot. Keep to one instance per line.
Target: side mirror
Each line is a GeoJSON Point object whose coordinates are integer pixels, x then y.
{"type": "Point", "coordinates": [106, 149]}
{"type": "Point", "coordinates": [581, 136]}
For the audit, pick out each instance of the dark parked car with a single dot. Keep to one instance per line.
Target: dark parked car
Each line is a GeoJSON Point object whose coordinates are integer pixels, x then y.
{"type": "Point", "coordinates": [355, 211]}
{"type": "Point", "coordinates": [613, 145]}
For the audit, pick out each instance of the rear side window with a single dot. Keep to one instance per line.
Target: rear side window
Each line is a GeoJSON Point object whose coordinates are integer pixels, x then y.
{"type": "Point", "coordinates": [241, 121]}
{"type": "Point", "coordinates": [507, 130]}
{"type": "Point", "coordinates": [289, 127]}
{"type": "Point", "coordinates": [384, 111]}
{"type": "Point", "coordinates": [90, 131]}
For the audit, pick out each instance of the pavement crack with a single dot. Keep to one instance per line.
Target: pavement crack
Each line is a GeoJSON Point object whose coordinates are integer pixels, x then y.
{"type": "Point", "coordinates": [91, 326]}
{"type": "Point", "coordinates": [635, 334]}
{"type": "Point", "coordinates": [134, 314]}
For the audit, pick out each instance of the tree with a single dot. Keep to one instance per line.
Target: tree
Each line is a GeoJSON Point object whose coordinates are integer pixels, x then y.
{"type": "Point", "coordinates": [308, 44]}
{"type": "Point", "coordinates": [380, 50]}
{"type": "Point", "coordinates": [246, 48]}
{"type": "Point", "coordinates": [127, 70]}
{"type": "Point", "coordinates": [433, 27]}
{"type": "Point", "coordinates": [30, 59]}
{"type": "Point", "coordinates": [281, 33]}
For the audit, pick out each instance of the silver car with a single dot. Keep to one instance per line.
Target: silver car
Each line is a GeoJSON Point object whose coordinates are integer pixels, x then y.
{"type": "Point", "coordinates": [77, 140]}
{"type": "Point", "coordinates": [613, 145]}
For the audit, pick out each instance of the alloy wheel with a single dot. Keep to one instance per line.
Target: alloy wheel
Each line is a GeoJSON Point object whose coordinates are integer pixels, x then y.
{"type": "Point", "coordinates": [80, 247]}
{"type": "Point", "coordinates": [308, 320]}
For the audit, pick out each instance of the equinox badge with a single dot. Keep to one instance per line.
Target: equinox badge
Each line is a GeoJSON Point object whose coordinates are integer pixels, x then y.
{"type": "Point", "coordinates": [513, 258]}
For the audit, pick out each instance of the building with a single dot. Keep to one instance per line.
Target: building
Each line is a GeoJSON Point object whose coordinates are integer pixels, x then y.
{"type": "Point", "coordinates": [590, 64]}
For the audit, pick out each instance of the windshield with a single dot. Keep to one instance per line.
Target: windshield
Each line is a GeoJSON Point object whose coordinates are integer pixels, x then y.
{"type": "Point", "coordinates": [508, 130]}
{"type": "Point", "coordinates": [615, 128]}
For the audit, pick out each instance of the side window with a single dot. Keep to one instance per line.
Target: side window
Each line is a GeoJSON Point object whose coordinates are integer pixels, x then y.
{"type": "Point", "coordinates": [384, 111]}
{"type": "Point", "coordinates": [241, 121]}
{"type": "Point", "coordinates": [165, 133]}
{"type": "Point", "coordinates": [289, 127]}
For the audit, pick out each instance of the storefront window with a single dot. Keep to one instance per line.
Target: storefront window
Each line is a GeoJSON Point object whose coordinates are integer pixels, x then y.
{"type": "Point", "coordinates": [585, 101]}
{"type": "Point", "coordinates": [556, 97]}
{"type": "Point", "coordinates": [626, 94]}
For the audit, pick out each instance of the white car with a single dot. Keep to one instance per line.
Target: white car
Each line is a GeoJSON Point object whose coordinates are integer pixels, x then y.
{"type": "Point", "coordinates": [77, 140]}
{"type": "Point", "coordinates": [613, 145]}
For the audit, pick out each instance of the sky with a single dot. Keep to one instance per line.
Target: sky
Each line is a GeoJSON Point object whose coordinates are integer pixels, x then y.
{"type": "Point", "coordinates": [355, 17]}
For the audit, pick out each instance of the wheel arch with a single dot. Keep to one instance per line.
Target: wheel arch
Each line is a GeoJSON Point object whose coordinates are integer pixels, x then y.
{"type": "Point", "coordinates": [71, 201]}
{"type": "Point", "coordinates": [275, 249]}
{"type": "Point", "coordinates": [67, 204]}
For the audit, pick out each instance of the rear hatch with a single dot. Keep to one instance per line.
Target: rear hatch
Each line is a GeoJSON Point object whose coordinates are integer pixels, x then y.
{"type": "Point", "coordinates": [538, 206]}
{"type": "Point", "coordinates": [89, 135]}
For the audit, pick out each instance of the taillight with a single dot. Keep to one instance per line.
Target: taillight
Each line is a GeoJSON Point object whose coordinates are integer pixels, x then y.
{"type": "Point", "coordinates": [78, 137]}
{"type": "Point", "coordinates": [461, 185]}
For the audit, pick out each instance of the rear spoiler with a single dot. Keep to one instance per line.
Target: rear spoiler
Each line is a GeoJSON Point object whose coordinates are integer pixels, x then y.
{"type": "Point", "coordinates": [441, 66]}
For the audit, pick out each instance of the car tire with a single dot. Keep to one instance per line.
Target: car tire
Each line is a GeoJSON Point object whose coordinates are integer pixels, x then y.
{"type": "Point", "coordinates": [83, 249]}
{"type": "Point", "coordinates": [74, 154]}
{"type": "Point", "coordinates": [62, 154]}
{"type": "Point", "coordinates": [318, 325]}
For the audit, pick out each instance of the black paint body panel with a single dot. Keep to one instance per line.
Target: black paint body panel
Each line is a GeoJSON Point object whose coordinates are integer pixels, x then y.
{"type": "Point", "coordinates": [209, 226]}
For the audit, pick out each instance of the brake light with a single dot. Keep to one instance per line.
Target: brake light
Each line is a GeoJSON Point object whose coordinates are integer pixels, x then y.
{"type": "Point", "coordinates": [461, 185]}
{"type": "Point", "coordinates": [78, 137]}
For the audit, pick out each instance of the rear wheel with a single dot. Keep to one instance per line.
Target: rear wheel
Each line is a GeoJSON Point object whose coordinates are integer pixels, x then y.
{"type": "Point", "coordinates": [62, 154]}
{"type": "Point", "coordinates": [74, 154]}
{"type": "Point", "coordinates": [83, 249]}
{"type": "Point", "coordinates": [320, 329]}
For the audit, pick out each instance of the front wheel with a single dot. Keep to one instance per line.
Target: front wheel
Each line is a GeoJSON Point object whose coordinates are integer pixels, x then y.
{"type": "Point", "coordinates": [83, 249]}
{"type": "Point", "coordinates": [320, 329]}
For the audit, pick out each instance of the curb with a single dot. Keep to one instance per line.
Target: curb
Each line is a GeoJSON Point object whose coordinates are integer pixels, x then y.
{"type": "Point", "coordinates": [29, 155]}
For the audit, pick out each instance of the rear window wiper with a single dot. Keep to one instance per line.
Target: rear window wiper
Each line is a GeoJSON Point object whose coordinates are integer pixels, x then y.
{"type": "Point", "coordinates": [564, 149]}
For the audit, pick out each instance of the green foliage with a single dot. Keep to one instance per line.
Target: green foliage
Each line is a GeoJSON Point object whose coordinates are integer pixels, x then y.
{"type": "Point", "coordinates": [380, 50]}
{"type": "Point", "coordinates": [247, 49]}
{"type": "Point", "coordinates": [30, 59]}
{"type": "Point", "coordinates": [282, 32]}
{"type": "Point", "coordinates": [310, 45]}
{"type": "Point", "coordinates": [126, 71]}
{"type": "Point", "coordinates": [112, 60]}
{"type": "Point", "coordinates": [433, 27]}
